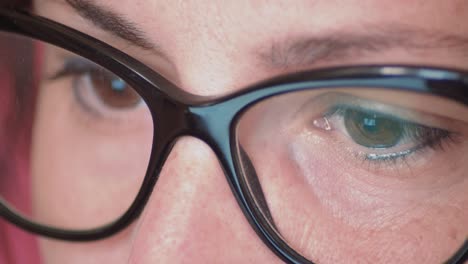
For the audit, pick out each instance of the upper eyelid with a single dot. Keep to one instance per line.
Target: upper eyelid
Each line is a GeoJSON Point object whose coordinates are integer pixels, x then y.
{"type": "Point", "coordinates": [74, 64]}
{"type": "Point", "coordinates": [342, 107]}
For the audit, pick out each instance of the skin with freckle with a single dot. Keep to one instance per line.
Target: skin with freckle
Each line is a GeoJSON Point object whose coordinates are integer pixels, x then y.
{"type": "Point", "coordinates": [331, 199]}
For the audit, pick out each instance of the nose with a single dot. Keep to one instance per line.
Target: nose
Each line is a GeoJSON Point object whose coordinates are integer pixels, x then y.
{"type": "Point", "coordinates": [192, 215]}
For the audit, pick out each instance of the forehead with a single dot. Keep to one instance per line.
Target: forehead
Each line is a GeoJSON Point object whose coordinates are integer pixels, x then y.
{"type": "Point", "coordinates": [247, 15]}
{"type": "Point", "coordinates": [265, 17]}
{"type": "Point", "coordinates": [225, 34]}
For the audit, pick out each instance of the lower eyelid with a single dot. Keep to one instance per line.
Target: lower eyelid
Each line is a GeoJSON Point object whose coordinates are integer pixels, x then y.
{"type": "Point", "coordinates": [388, 156]}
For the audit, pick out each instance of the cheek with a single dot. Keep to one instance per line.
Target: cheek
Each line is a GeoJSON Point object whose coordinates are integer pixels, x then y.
{"type": "Point", "coordinates": [83, 176]}
{"type": "Point", "coordinates": [327, 210]}
{"type": "Point", "coordinates": [111, 250]}
{"type": "Point", "coordinates": [349, 189]}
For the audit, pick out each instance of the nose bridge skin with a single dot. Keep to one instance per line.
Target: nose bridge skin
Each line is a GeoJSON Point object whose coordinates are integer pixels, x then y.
{"type": "Point", "coordinates": [192, 215]}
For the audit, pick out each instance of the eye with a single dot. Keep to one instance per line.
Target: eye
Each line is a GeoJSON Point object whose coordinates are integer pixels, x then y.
{"type": "Point", "coordinates": [372, 130]}
{"type": "Point", "coordinates": [375, 135]}
{"type": "Point", "coordinates": [97, 90]}
{"type": "Point", "coordinates": [110, 90]}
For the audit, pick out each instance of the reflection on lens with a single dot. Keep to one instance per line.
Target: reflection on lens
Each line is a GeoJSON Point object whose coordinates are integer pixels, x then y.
{"type": "Point", "coordinates": [359, 175]}
{"type": "Point", "coordinates": [80, 138]}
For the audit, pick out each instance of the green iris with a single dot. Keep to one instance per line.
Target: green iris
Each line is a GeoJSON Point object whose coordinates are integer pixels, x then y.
{"type": "Point", "coordinates": [373, 130]}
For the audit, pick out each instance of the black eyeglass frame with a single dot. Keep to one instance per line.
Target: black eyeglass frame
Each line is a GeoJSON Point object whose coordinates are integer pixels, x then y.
{"type": "Point", "coordinates": [213, 119]}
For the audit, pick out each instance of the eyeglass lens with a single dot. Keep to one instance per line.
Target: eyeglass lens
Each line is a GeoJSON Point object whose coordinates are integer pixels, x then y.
{"type": "Point", "coordinates": [78, 137]}
{"type": "Point", "coordinates": [361, 169]}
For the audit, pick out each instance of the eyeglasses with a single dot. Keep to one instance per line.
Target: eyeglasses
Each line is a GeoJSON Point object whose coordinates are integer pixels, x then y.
{"type": "Point", "coordinates": [312, 157]}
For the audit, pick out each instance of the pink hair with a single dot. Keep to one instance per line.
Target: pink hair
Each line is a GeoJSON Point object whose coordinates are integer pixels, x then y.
{"type": "Point", "coordinates": [16, 108]}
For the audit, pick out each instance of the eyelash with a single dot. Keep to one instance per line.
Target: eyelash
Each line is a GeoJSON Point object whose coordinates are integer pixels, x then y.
{"type": "Point", "coordinates": [74, 67]}
{"type": "Point", "coordinates": [423, 137]}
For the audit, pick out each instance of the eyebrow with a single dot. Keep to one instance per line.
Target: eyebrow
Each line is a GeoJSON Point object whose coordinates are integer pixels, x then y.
{"type": "Point", "coordinates": [111, 22]}
{"type": "Point", "coordinates": [300, 51]}
{"type": "Point", "coordinates": [348, 44]}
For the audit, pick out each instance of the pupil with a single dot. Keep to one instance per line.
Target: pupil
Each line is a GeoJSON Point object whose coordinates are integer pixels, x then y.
{"type": "Point", "coordinates": [114, 92]}
{"type": "Point", "coordinates": [372, 130]}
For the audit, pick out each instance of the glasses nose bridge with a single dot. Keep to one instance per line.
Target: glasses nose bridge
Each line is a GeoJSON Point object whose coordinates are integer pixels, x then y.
{"type": "Point", "coordinates": [209, 123]}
